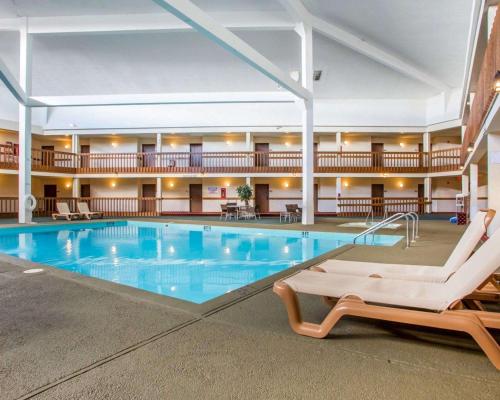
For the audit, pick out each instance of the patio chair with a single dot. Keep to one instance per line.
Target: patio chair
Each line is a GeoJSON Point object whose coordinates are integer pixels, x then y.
{"type": "Point", "coordinates": [472, 236]}
{"type": "Point", "coordinates": [63, 211]}
{"type": "Point", "coordinates": [231, 211]}
{"type": "Point", "coordinates": [83, 208]}
{"type": "Point", "coordinates": [223, 211]}
{"type": "Point", "coordinates": [431, 304]}
{"type": "Point", "coordinates": [248, 212]}
{"type": "Point", "coordinates": [293, 212]}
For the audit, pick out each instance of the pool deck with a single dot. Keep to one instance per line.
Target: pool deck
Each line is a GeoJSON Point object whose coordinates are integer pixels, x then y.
{"type": "Point", "coordinates": [64, 336]}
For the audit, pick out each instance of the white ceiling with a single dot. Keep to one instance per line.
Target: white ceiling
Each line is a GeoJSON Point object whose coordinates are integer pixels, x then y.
{"type": "Point", "coordinates": [429, 34]}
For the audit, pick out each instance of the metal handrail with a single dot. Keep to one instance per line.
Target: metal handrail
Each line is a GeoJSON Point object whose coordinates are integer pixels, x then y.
{"type": "Point", "coordinates": [407, 216]}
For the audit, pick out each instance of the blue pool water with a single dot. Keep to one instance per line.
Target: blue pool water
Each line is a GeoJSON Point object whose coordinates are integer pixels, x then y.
{"type": "Point", "coordinates": [188, 262]}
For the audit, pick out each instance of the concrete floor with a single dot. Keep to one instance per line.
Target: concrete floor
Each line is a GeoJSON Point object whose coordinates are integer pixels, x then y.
{"type": "Point", "coordinates": [66, 337]}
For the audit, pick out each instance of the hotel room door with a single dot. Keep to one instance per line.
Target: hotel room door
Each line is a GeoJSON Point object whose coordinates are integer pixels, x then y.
{"type": "Point", "coordinates": [377, 199]}
{"type": "Point", "coordinates": [148, 203]}
{"type": "Point", "coordinates": [196, 155]}
{"type": "Point", "coordinates": [377, 155]}
{"type": "Point", "coordinates": [195, 198]}
{"type": "Point", "coordinates": [84, 156]}
{"type": "Point", "coordinates": [49, 194]}
{"type": "Point", "coordinates": [148, 160]}
{"type": "Point", "coordinates": [262, 198]}
{"type": "Point", "coordinates": [261, 155]}
{"type": "Point", "coordinates": [421, 198]}
{"type": "Point", "coordinates": [48, 156]}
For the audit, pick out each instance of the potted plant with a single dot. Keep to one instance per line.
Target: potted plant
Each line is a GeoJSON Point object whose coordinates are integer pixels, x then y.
{"type": "Point", "coordinates": [244, 193]}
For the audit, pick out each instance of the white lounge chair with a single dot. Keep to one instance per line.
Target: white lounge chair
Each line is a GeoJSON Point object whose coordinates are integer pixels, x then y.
{"type": "Point", "coordinates": [464, 248]}
{"type": "Point", "coordinates": [84, 210]}
{"type": "Point", "coordinates": [431, 304]}
{"type": "Point", "coordinates": [63, 211]}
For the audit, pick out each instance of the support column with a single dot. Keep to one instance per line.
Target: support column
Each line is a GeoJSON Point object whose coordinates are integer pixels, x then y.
{"type": "Point", "coordinates": [428, 194]}
{"type": "Point", "coordinates": [76, 187]}
{"type": "Point", "coordinates": [307, 126]}
{"type": "Point", "coordinates": [338, 138]}
{"type": "Point", "coordinates": [159, 189]}
{"type": "Point", "coordinates": [338, 194]}
{"type": "Point", "coordinates": [25, 216]}
{"type": "Point", "coordinates": [248, 148]}
{"type": "Point", "coordinates": [465, 185]}
{"type": "Point", "coordinates": [494, 177]}
{"type": "Point", "coordinates": [474, 183]}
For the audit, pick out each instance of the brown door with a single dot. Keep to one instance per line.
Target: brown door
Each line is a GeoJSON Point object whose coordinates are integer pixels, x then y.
{"type": "Point", "coordinates": [148, 202]}
{"type": "Point", "coordinates": [421, 198]}
{"type": "Point", "coordinates": [262, 198]}
{"type": "Point", "coordinates": [195, 155]}
{"type": "Point", "coordinates": [195, 198]}
{"type": "Point", "coordinates": [84, 157]}
{"type": "Point", "coordinates": [49, 194]}
{"type": "Point", "coordinates": [315, 155]}
{"type": "Point", "coordinates": [261, 155]}
{"type": "Point", "coordinates": [378, 199]}
{"type": "Point", "coordinates": [377, 155]}
{"type": "Point", "coordinates": [85, 190]}
{"type": "Point", "coordinates": [48, 156]}
{"type": "Point", "coordinates": [148, 156]}
{"type": "Point", "coordinates": [316, 190]}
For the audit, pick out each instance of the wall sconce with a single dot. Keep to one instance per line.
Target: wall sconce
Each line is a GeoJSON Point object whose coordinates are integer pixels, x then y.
{"type": "Point", "coordinates": [228, 184]}
{"type": "Point", "coordinates": [172, 145]}
{"type": "Point", "coordinates": [171, 184]}
{"type": "Point", "coordinates": [346, 184]}
{"type": "Point", "coordinates": [346, 142]}
{"type": "Point", "coordinates": [470, 148]}
{"type": "Point", "coordinates": [228, 142]}
{"type": "Point", "coordinates": [402, 144]}
{"type": "Point", "coordinates": [286, 184]}
{"type": "Point", "coordinates": [68, 185]}
{"type": "Point", "coordinates": [287, 144]}
{"type": "Point", "coordinates": [401, 185]}
{"type": "Point", "coordinates": [113, 184]}
{"type": "Point", "coordinates": [114, 144]}
{"type": "Point", "coordinates": [67, 146]}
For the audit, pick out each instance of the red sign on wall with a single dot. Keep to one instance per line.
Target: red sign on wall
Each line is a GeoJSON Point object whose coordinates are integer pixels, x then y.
{"type": "Point", "coordinates": [222, 193]}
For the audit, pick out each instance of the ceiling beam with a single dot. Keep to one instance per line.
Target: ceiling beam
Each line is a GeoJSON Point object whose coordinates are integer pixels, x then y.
{"type": "Point", "coordinates": [300, 13]}
{"type": "Point", "coordinates": [12, 84]}
{"type": "Point", "coordinates": [207, 26]}
{"type": "Point", "coordinates": [278, 20]}
{"type": "Point", "coordinates": [168, 98]}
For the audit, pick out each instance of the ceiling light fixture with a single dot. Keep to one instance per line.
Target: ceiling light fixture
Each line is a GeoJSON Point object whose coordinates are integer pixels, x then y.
{"type": "Point", "coordinates": [470, 147]}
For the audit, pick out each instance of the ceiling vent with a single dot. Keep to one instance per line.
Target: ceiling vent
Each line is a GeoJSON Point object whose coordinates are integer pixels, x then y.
{"type": "Point", "coordinates": [317, 75]}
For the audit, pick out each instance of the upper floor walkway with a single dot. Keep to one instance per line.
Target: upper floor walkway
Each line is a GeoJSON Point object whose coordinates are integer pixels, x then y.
{"type": "Point", "coordinates": [234, 162]}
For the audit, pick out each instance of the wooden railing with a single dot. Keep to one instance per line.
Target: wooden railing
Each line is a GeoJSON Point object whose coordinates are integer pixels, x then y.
{"type": "Point", "coordinates": [485, 88]}
{"type": "Point", "coordinates": [234, 162]}
{"type": "Point", "coordinates": [361, 206]}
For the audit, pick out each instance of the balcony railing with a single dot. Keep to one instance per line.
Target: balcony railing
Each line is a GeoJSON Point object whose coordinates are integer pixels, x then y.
{"type": "Point", "coordinates": [485, 88]}
{"type": "Point", "coordinates": [152, 206]}
{"type": "Point", "coordinates": [235, 162]}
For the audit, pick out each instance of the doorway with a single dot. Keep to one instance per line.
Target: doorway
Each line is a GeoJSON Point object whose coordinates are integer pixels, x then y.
{"type": "Point", "coordinates": [148, 155]}
{"type": "Point", "coordinates": [195, 198]}
{"type": "Point", "coordinates": [49, 198]}
{"type": "Point", "coordinates": [85, 190]}
{"type": "Point", "coordinates": [196, 155]}
{"type": "Point", "coordinates": [377, 155]}
{"type": "Point", "coordinates": [84, 156]}
{"type": "Point", "coordinates": [148, 201]}
{"type": "Point", "coordinates": [421, 198]}
{"type": "Point", "coordinates": [378, 199]}
{"type": "Point", "coordinates": [48, 156]}
{"type": "Point", "coordinates": [261, 154]}
{"type": "Point", "coordinates": [262, 198]}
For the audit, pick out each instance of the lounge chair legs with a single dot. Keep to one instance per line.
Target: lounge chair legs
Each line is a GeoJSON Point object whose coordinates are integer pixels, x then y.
{"type": "Point", "coordinates": [467, 321]}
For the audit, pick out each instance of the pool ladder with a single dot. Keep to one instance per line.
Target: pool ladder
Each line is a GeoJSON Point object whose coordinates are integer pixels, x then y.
{"type": "Point", "coordinates": [411, 237]}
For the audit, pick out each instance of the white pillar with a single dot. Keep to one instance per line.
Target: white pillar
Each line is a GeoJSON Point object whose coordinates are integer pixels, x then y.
{"type": "Point", "coordinates": [159, 189]}
{"type": "Point", "coordinates": [426, 141]}
{"type": "Point", "coordinates": [248, 148]}
{"type": "Point", "coordinates": [75, 143]}
{"type": "Point", "coordinates": [307, 125]}
{"type": "Point", "coordinates": [428, 194]}
{"type": "Point", "coordinates": [473, 182]}
{"type": "Point", "coordinates": [338, 138]}
{"type": "Point", "coordinates": [494, 177]}
{"type": "Point", "coordinates": [465, 184]}
{"type": "Point", "coordinates": [76, 187]}
{"type": "Point", "coordinates": [492, 11]}
{"type": "Point", "coordinates": [159, 139]}
{"type": "Point", "coordinates": [25, 216]}
{"type": "Point", "coordinates": [338, 193]}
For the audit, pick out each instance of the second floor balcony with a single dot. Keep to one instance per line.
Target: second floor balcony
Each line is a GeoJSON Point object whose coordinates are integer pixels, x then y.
{"type": "Point", "coordinates": [235, 162]}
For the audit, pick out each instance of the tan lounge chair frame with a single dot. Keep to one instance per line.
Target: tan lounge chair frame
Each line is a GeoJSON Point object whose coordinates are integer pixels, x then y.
{"type": "Point", "coordinates": [89, 214]}
{"type": "Point", "coordinates": [69, 216]}
{"type": "Point", "coordinates": [455, 318]}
